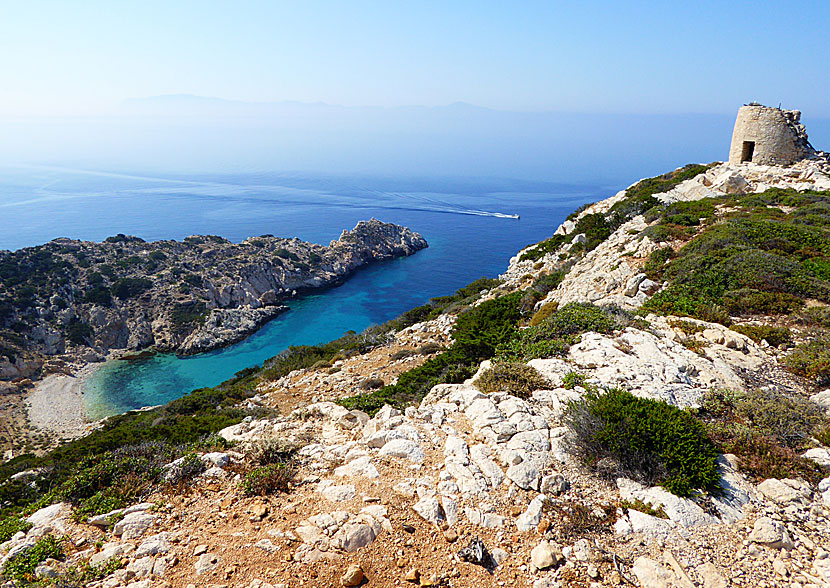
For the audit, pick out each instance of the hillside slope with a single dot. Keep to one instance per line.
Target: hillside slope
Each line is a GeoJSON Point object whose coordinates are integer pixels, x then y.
{"type": "Point", "coordinates": [641, 399]}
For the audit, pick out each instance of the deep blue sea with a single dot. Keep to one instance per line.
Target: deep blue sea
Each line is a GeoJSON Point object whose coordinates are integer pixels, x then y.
{"type": "Point", "coordinates": [456, 216]}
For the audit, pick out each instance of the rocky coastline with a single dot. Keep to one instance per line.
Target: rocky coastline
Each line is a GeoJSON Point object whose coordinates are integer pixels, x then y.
{"type": "Point", "coordinates": [68, 303]}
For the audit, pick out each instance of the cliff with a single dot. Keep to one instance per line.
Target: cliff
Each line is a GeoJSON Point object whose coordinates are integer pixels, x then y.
{"type": "Point", "coordinates": [76, 300]}
{"type": "Point", "coordinates": [641, 399]}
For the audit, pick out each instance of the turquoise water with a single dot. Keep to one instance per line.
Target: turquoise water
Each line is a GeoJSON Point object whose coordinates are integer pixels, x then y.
{"type": "Point", "coordinates": [455, 216]}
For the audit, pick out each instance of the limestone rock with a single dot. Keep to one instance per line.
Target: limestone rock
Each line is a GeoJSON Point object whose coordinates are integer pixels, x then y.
{"type": "Point", "coordinates": [770, 533]}
{"type": "Point", "coordinates": [545, 555]}
{"type": "Point", "coordinates": [353, 576]}
{"type": "Point", "coordinates": [405, 449]}
{"type": "Point", "coordinates": [133, 525]}
{"type": "Point", "coordinates": [651, 574]}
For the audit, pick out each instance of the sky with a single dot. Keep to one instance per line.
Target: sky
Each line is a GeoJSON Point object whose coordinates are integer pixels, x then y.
{"type": "Point", "coordinates": [556, 91]}
{"type": "Point", "coordinates": [87, 57]}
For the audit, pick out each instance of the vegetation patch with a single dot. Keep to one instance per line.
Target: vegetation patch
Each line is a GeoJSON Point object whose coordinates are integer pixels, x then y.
{"type": "Point", "coordinates": [269, 479]}
{"type": "Point", "coordinates": [21, 568]}
{"type": "Point", "coordinates": [555, 334]}
{"type": "Point", "coordinates": [811, 360]}
{"type": "Point", "coordinates": [617, 433]}
{"type": "Point", "coordinates": [758, 260]}
{"type": "Point", "coordinates": [516, 378]}
{"type": "Point", "coordinates": [476, 335]}
{"type": "Point", "coordinates": [774, 336]}
{"type": "Point", "coordinates": [766, 430]}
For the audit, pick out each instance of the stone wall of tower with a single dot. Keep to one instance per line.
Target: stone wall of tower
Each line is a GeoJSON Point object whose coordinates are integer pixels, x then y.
{"type": "Point", "coordinates": [777, 136]}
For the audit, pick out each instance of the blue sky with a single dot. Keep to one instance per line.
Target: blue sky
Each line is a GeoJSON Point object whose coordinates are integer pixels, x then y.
{"type": "Point", "coordinates": [86, 57]}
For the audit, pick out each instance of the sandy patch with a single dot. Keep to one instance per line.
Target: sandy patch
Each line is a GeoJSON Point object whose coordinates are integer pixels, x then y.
{"type": "Point", "coordinates": [56, 403]}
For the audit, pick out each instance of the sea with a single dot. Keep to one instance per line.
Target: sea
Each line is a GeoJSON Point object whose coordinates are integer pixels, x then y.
{"type": "Point", "coordinates": [468, 223]}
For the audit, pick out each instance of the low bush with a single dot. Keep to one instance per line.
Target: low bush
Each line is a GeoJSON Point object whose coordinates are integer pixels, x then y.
{"type": "Point", "coordinates": [761, 458]}
{"type": "Point", "coordinates": [554, 335]}
{"type": "Point", "coordinates": [811, 360]}
{"type": "Point", "coordinates": [658, 259]}
{"type": "Point", "coordinates": [371, 384]}
{"type": "Point", "coordinates": [21, 568]}
{"type": "Point", "coordinates": [543, 313]}
{"type": "Point", "coordinates": [573, 379]}
{"type": "Point", "coordinates": [651, 441]}
{"type": "Point", "coordinates": [774, 336]}
{"type": "Point", "coordinates": [270, 451]}
{"type": "Point", "coordinates": [576, 520]}
{"type": "Point", "coordinates": [518, 379]}
{"type": "Point", "coordinates": [748, 301]}
{"type": "Point", "coordinates": [268, 479]}
{"type": "Point", "coordinates": [788, 420]}
{"type": "Point", "coordinates": [765, 430]}
{"type": "Point", "coordinates": [430, 348]}
{"type": "Point", "coordinates": [9, 527]}
{"type": "Point", "coordinates": [476, 335]}
{"type": "Point", "coordinates": [815, 316]}
{"type": "Point", "coordinates": [127, 288]}
{"type": "Point", "coordinates": [402, 354]}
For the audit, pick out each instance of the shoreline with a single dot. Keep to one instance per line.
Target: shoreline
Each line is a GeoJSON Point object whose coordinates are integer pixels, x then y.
{"type": "Point", "coordinates": [57, 405]}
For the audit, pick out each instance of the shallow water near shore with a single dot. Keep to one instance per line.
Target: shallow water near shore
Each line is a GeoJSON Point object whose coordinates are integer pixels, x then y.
{"type": "Point", "coordinates": [459, 218]}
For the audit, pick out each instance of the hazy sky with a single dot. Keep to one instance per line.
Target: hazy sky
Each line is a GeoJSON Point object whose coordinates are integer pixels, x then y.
{"type": "Point", "coordinates": [636, 56]}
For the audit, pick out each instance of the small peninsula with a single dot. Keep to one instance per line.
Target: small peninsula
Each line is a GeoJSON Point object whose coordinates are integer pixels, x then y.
{"type": "Point", "coordinates": [72, 301]}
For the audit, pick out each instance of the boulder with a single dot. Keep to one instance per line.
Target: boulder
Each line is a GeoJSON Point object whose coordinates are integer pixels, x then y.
{"type": "Point", "coordinates": [133, 525]}
{"type": "Point", "coordinates": [404, 449]}
{"type": "Point", "coordinates": [651, 574]}
{"type": "Point", "coordinates": [770, 533]}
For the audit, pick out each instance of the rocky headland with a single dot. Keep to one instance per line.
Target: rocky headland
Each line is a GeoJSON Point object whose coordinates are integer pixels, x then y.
{"type": "Point", "coordinates": [70, 302]}
{"type": "Point", "coordinates": [472, 442]}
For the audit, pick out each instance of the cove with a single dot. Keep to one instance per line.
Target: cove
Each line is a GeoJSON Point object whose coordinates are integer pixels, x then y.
{"type": "Point", "coordinates": [462, 248]}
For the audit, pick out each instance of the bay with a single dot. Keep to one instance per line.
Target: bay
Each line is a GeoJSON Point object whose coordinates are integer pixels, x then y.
{"type": "Point", "coordinates": [459, 217]}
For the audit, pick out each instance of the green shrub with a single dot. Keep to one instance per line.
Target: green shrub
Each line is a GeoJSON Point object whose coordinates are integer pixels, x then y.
{"type": "Point", "coordinates": [573, 379]}
{"type": "Point", "coordinates": [9, 526]}
{"type": "Point", "coordinates": [21, 568]}
{"type": "Point", "coordinates": [657, 259]}
{"type": "Point", "coordinates": [775, 336]}
{"type": "Point", "coordinates": [648, 440]}
{"type": "Point", "coordinates": [98, 295]}
{"type": "Point", "coordinates": [748, 301]}
{"type": "Point", "coordinates": [811, 360]}
{"type": "Point", "coordinates": [554, 335]}
{"type": "Point", "coordinates": [543, 313]}
{"type": "Point", "coordinates": [127, 288]}
{"type": "Point", "coordinates": [371, 384]}
{"type": "Point", "coordinates": [476, 335]}
{"type": "Point", "coordinates": [79, 332]}
{"type": "Point", "coordinates": [542, 248]}
{"type": "Point", "coordinates": [518, 379]}
{"type": "Point", "coordinates": [267, 479]}
{"type": "Point", "coordinates": [479, 331]}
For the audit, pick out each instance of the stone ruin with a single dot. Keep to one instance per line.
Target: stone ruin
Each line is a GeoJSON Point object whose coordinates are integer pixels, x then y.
{"type": "Point", "coordinates": [769, 136]}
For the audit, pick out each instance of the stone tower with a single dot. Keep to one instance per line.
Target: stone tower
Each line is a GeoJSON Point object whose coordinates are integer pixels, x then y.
{"type": "Point", "coordinates": [769, 136]}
